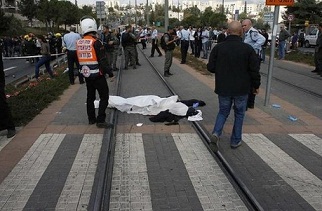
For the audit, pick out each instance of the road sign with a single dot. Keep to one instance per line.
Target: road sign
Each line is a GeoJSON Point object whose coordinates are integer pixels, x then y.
{"type": "Point", "coordinates": [280, 2]}
{"type": "Point", "coordinates": [290, 17]}
{"type": "Point", "coordinates": [269, 17]}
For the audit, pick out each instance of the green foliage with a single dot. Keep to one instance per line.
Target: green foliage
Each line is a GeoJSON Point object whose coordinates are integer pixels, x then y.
{"type": "Point", "coordinates": [10, 26]}
{"type": "Point", "coordinates": [4, 23]}
{"type": "Point", "coordinates": [32, 100]}
{"type": "Point", "coordinates": [304, 10]}
{"type": "Point", "coordinates": [28, 9]}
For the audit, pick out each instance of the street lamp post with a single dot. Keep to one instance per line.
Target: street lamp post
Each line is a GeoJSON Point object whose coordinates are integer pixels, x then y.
{"type": "Point", "coordinates": [223, 6]}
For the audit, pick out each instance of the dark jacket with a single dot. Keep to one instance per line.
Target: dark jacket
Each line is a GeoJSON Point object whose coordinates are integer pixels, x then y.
{"type": "Point", "coordinates": [236, 67]}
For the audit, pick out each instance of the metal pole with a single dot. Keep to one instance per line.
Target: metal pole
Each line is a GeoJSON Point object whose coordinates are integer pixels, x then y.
{"type": "Point", "coordinates": [147, 13]}
{"type": "Point", "coordinates": [135, 17]}
{"type": "Point", "coordinates": [271, 59]}
{"type": "Point", "coordinates": [166, 15]}
{"type": "Point", "coordinates": [223, 6]}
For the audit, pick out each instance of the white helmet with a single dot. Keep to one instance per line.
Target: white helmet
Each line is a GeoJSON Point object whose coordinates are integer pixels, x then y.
{"type": "Point", "coordinates": [88, 24]}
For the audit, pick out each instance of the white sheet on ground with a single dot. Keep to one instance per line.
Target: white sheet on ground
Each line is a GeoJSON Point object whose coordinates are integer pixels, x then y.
{"type": "Point", "coordinates": [148, 105]}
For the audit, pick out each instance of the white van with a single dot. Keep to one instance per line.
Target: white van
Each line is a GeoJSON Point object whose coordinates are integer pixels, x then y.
{"type": "Point", "coordinates": [311, 38]}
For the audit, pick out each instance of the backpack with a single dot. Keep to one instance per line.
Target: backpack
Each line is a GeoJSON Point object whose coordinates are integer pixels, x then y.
{"type": "Point", "coordinates": [162, 42]}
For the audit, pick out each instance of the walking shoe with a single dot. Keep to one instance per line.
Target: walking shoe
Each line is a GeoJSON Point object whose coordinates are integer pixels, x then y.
{"type": "Point", "coordinates": [11, 133]}
{"type": "Point", "coordinates": [91, 122]}
{"type": "Point", "coordinates": [215, 139]}
{"type": "Point", "coordinates": [234, 146]}
{"type": "Point", "coordinates": [151, 56]}
{"type": "Point", "coordinates": [170, 73]}
{"type": "Point", "coordinates": [166, 75]}
{"type": "Point", "coordinates": [314, 71]}
{"type": "Point", "coordinates": [134, 67]}
{"type": "Point", "coordinates": [104, 125]}
{"type": "Point", "coordinates": [138, 64]}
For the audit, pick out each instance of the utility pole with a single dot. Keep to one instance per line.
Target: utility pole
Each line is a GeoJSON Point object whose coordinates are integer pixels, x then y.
{"type": "Point", "coordinates": [166, 15]}
{"type": "Point", "coordinates": [147, 13]}
{"type": "Point", "coordinates": [223, 7]}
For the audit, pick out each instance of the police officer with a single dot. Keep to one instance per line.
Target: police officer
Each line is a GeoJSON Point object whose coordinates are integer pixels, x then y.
{"type": "Point", "coordinates": [93, 64]}
{"type": "Point", "coordinates": [128, 43]}
{"type": "Point", "coordinates": [169, 38]}
{"type": "Point", "coordinates": [256, 40]}
{"type": "Point", "coordinates": [6, 122]}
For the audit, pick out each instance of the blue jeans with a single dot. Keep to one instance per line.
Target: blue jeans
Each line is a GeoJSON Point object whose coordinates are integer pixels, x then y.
{"type": "Point", "coordinates": [43, 60]}
{"type": "Point", "coordinates": [225, 104]}
{"type": "Point", "coordinates": [205, 49]}
{"type": "Point", "coordinates": [281, 49]}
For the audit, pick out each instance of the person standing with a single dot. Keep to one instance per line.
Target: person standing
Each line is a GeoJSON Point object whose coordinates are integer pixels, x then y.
{"type": "Point", "coordinates": [116, 49]}
{"type": "Point", "coordinates": [128, 40]}
{"type": "Point", "coordinates": [69, 44]}
{"type": "Point", "coordinates": [155, 47]}
{"type": "Point", "coordinates": [318, 52]}
{"type": "Point", "coordinates": [222, 35]}
{"type": "Point", "coordinates": [198, 43]}
{"type": "Point", "coordinates": [106, 38]}
{"type": "Point", "coordinates": [256, 40]}
{"type": "Point", "coordinates": [6, 122]}
{"type": "Point", "coordinates": [265, 34]}
{"type": "Point", "coordinates": [93, 63]}
{"type": "Point", "coordinates": [184, 37]}
{"type": "Point", "coordinates": [204, 40]}
{"type": "Point", "coordinates": [236, 71]}
{"type": "Point", "coordinates": [169, 39]}
{"type": "Point", "coordinates": [283, 36]}
{"type": "Point", "coordinates": [192, 31]}
{"type": "Point", "coordinates": [45, 57]}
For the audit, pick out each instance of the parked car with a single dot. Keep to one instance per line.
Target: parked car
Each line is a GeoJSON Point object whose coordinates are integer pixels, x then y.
{"type": "Point", "coordinates": [311, 37]}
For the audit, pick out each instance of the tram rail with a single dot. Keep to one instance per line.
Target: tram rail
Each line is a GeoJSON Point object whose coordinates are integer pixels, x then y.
{"type": "Point", "coordinates": [105, 179]}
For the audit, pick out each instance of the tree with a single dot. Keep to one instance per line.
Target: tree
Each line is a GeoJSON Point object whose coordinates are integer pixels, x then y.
{"type": "Point", "coordinates": [304, 10]}
{"type": "Point", "coordinates": [192, 11]}
{"type": "Point", "coordinates": [205, 17]}
{"type": "Point", "coordinates": [4, 22]}
{"type": "Point", "coordinates": [28, 9]}
{"type": "Point", "coordinates": [218, 19]}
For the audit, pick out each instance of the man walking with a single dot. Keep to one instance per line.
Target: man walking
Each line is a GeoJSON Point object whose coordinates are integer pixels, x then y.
{"type": "Point", "coordinates": [69, 44]}
{"type": "Point", "coordinates": [235, 73]}
{"type": "Point", "coordinates": [185, 37]}
{"type": "Point", "coordinates": [155, 47]}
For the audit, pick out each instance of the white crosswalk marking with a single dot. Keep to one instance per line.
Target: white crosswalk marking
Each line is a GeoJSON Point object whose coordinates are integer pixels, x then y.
{"type": "Point", "coordinates": [16, 189]}
{"type": "Point", "coordinates": [311, 141]}
{"type": "Point", "coordinates": [78, 186]}
{"type": "Point", "coordinates": [130, 184]}
{"type": "Point", "coordinates": [306, 184]}
{"type": "Point", "coordinates": [210, 183]}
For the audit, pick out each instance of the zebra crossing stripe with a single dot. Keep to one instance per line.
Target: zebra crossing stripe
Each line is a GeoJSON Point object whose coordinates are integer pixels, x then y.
{"type": "Point", "coordinates": [78, 187]}
{"type": "Point", "coordinates": [16, 189]}
{"type": "Point", "coordinates": [311, 141]}
{"type": "Point", "coordinates": [130, 185]}
{"type": "Point", "coordinates": [210, 183]}
{"type": "Point", "coordinates": [306, 184]}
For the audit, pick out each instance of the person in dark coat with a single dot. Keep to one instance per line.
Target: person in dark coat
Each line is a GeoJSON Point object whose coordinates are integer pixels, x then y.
{"type": "Point", "coordinates": [235, 71]}
{"type": "Point", "coordinates": [6, 122]}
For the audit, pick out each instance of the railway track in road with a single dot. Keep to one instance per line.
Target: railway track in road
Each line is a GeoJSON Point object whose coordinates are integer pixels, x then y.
{"type": "Point", "coordinates": [102, 195]}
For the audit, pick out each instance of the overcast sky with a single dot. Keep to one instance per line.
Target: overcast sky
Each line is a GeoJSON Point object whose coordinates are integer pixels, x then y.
{"type": "Point", "coordinates": [81, 2]}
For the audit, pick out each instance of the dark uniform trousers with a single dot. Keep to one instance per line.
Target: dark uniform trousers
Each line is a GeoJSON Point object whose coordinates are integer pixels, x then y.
{"type": "Point", "coordinates": [155, 47]}
{"type": "Point", "coordinates": [129, 54]}
{"type": "Point", "coordinates": [100, 84]}
{"type": "Point", "coordinates": [184, 50]}
{"type": "Point", "coordinates": [72, 59]}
